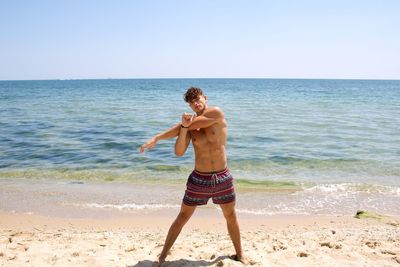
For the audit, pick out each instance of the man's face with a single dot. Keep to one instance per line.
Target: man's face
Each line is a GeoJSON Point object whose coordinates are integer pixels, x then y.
{"type": "Point", "coordinates": [199, 104]}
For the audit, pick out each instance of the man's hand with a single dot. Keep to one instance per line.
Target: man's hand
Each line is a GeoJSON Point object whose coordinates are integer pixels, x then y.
{"type": "Point", "coordinates": [149, 144]}
{"type": "Point", "coordinates": [187, 119]}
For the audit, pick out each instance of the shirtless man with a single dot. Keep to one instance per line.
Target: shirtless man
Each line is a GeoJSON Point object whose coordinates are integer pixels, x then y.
{"type": "Point", "coordinates": [211, 177]}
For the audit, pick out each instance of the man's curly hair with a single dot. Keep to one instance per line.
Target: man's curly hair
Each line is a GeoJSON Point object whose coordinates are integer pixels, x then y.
{"type": "Point", "coordinates": [192, 94]}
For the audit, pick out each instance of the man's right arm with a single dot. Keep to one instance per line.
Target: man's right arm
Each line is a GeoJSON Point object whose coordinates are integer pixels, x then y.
{"type": "Point", "coordinates": [170, 133]}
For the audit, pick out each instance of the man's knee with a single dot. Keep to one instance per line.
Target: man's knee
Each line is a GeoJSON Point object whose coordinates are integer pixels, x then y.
{"type": "Point", "coordinates": [229, 213]}
{"type": "Point", "coordinates": [184, 216]}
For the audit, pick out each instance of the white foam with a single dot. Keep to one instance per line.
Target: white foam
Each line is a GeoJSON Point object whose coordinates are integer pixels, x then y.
{"type": "Point", "coordinates": [129, 206]}
{"type": "Point", "coordinates": [133, 206]}
{"type": "Point", "coordinates": [261, 212]}
{"type": "Point", "coordinates": [354, 188]}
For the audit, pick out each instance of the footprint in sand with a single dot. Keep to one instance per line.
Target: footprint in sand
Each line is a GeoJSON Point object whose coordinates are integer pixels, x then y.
{"type": "Point", "coordinates": [388, 252]}
{"type": "Point", "coordinates": [331, 245]}
{"type": "Point", "coordinates": [130, 249]}
{"type": "Point", "coordinates": [278, 247]}
{"type": "Point", "coordinates": [12, 257]}
{"type": "Point", "coordinates": [302, 254]}
{"type": "Point", "coordinates": [372, 244]}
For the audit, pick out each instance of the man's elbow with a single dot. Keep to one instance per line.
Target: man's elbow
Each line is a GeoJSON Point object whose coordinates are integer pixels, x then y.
{"type": "Point", "coordinates": [179, 152]}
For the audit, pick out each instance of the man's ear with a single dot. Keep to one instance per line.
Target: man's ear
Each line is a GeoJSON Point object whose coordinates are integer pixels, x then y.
{"type": "Point", "coordinates": [205, 97]}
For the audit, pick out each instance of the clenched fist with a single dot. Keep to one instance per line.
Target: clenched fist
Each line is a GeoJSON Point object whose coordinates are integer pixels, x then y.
{"type": "Point", "coordinates": [187, 119]}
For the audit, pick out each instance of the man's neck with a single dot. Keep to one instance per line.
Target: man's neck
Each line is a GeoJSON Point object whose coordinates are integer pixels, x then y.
{"type": "Point", "coordinates": [201, 112]}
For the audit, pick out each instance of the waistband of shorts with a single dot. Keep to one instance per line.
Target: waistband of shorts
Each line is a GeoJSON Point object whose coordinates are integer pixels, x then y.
{"type": "Point", "coordinates": [211, 173]}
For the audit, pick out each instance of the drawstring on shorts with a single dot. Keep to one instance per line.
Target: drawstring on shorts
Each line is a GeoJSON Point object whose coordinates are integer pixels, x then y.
{"type": "Point", "coordinates": [214, 180]}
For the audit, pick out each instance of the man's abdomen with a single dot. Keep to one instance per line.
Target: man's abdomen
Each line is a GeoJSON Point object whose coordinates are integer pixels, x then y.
{"type": "Point", "coordinates": [210, 159]}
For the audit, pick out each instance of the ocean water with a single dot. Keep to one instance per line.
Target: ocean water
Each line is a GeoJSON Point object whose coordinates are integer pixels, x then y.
{"type": "Point", "coordinates": [294, 146]}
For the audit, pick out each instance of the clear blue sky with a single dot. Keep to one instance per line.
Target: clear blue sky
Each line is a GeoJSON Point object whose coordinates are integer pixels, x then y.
{"type": "Point", "coordinates": [200, 38]}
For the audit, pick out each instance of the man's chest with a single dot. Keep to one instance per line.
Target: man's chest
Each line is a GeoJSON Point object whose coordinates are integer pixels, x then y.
{"type": "Point", "coordinates": [204, 136]}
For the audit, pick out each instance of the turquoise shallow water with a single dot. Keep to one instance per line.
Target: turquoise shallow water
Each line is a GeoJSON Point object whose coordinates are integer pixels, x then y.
{"type": "Point", "coordinates": [319, 135]}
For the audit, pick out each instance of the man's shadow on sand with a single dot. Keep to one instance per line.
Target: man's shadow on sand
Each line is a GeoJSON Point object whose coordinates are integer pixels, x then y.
{"type": "Point", "coordinates": [181, 262]}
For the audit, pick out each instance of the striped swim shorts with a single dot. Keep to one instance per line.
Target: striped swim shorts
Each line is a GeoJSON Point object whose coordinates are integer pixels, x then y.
{"type": "Point", "coordinates": [201, 186]}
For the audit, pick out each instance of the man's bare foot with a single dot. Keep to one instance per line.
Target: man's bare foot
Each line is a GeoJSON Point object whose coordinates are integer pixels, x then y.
{"type": "Point", "coordinates": [240, 258]}
{"type": "Point", "coordinates": [160, 261]}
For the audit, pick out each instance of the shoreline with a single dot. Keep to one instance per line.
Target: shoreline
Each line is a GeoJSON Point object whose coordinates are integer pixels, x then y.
{"type": "Point", "coordinates": [132, 240]}
{"type": "Point", "coordinates": [108, 199]}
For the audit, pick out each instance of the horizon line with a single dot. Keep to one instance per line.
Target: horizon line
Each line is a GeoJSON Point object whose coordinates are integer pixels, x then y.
{"type": "Point", "coordinates": [199, 78]}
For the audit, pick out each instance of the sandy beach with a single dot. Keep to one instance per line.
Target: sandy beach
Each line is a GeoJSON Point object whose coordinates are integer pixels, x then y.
{"type": "Point", "coordinates": [34, 240]}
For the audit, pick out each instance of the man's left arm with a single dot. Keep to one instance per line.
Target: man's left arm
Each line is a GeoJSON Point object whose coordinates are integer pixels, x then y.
{"type": "Point", "coordinates": [212, 116]}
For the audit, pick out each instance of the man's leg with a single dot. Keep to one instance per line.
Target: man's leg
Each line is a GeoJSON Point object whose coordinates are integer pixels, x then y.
{"type": "Point", "coordinates": [233, 228]}
{"type": "Point", "coordinates": [176, 227]}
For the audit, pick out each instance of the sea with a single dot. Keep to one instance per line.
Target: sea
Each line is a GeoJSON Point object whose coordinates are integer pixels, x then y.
{"type": "Point", "coordinates": [295, 146]}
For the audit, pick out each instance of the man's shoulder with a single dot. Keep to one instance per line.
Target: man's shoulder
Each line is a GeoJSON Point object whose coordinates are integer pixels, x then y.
{"type": "Point", "coordinates": [214, 112]}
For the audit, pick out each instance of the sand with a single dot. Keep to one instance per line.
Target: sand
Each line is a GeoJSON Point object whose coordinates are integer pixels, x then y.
{"type": "Point", "coordinates": [34, 240]}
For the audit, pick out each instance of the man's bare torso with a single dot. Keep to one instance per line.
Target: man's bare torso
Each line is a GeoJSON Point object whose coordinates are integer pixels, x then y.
{"type": "Point", "coordinates": [209, 146]}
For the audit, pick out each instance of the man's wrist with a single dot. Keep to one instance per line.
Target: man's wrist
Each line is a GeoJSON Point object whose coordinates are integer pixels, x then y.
{"type": "Point", "coordinates": [185, 127]}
